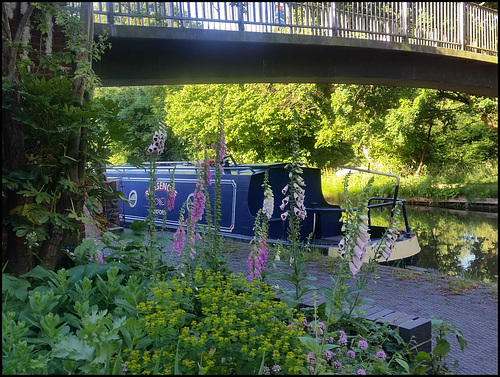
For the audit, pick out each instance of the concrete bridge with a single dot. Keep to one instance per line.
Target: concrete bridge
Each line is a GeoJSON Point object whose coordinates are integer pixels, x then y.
{"type": "Point", "coordinates": [447, 46]}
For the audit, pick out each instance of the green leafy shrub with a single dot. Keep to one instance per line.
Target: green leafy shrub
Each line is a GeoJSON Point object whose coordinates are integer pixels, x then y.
{"type": "Point", "coordinates": [69, 322]}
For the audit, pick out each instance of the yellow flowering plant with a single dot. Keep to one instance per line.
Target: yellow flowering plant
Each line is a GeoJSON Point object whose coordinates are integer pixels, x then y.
{"type": "Point", "coordinates": [222, 325]}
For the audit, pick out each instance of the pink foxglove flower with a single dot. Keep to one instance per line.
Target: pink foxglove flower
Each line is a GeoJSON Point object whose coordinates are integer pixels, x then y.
{"type": "Point", "coordinates": [179, 239]}
{"type": "Point", "coordinates": [198, 206]}
{"type": "Point", "coordinates": [100, 257]}
{"type": "Point", "coordinates": [171, 199]}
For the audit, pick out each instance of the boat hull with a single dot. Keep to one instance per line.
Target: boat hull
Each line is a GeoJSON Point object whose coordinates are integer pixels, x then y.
{"type": "Point", "coordinates": [241, 197]}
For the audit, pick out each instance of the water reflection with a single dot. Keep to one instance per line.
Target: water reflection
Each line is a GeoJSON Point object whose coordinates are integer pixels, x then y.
{"type": "Point", "coordinates": [457, 243]}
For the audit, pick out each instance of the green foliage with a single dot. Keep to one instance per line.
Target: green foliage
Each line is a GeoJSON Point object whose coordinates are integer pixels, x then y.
{"type": "Point", "coordinates": [51, 118]}
{"type": "Point", "coordinates": [439, 352]}
{"type": "Point", "coordinates": [257, 120]}
{"type": "Point", "coordinates": [451, 182]}
{"type": "Point", "coordinates": [67, 322]}
{"type": "Point", "coordinates": [141, 108]}
{"type": "Point", "coordinates": [404, 130]}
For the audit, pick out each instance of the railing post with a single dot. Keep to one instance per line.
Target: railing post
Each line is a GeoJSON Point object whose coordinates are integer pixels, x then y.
{"type": "Point", "coordinates": [241, 25]}
{"type": "Point", "coordinates": [333, 19]}
{"type": "Point", "coordinates": [463, 26]}
{"type": "Point", "coordinates": [110, 13]}
{"type": "Point", "coordinates": [404, 10]}
{"type": "Point", "coordinates": [170, 13]}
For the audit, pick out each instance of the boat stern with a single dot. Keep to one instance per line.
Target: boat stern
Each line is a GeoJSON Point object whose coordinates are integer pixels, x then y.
{"type": "Point", "coordinates": [405, 247]}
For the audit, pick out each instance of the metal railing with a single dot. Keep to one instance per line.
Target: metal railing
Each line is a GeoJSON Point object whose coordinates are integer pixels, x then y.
{"type": "Point", "coordinates": [453, 25]}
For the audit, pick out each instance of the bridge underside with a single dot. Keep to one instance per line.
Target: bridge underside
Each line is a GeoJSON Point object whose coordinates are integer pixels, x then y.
{"type": "Point", "coordinates": [141, 56]}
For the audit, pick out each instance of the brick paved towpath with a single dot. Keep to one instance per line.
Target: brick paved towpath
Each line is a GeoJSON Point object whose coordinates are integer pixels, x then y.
{"type": "Point", "coordinates": [422, 294]}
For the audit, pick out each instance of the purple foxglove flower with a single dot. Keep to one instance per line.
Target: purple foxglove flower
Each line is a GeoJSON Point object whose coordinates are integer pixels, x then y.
{"type": "Point", "coordinates": [171, 199]}
{"type": "Point", "coordinates": [365, 237]}
{"type": "Point", "coordinates": [179, 239]}
{"type": "Point", "coordinates": [363, 228]}
{"type": "Point", "coordinates": [361, 244]}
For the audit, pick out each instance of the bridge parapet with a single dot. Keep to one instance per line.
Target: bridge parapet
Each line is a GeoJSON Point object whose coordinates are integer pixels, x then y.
{"type": "Point", "coordinates": [451, 25]}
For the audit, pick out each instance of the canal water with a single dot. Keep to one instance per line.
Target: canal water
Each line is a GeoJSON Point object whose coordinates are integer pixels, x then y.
{"type": "Point", "coordinates": [456, 243]}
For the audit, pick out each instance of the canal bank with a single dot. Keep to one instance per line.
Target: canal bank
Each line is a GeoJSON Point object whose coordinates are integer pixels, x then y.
{"type": "Point", "coordinates": [460, 202]}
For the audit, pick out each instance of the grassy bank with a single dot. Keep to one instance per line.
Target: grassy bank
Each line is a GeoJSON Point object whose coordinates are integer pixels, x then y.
{"type": "Point", "coordinates": [473, 184]}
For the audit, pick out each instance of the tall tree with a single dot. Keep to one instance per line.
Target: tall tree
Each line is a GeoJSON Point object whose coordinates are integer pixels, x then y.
{"type": "Point", "coordinates": [258, 120]}
{"type": "Point", "coordinates": [47, 116]}
{"type": "Point", "coordinates": [398, 129]}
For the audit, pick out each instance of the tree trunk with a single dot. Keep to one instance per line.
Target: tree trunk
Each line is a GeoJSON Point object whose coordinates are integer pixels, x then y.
{"type": "Point", "coordinates": [51, 251]}
{"type": "Point", "coordinates": [16, 255]}
{"type": "Point", "coordinates": [419, 170]}
{"type": "Point", "coordinates": [491, 124]}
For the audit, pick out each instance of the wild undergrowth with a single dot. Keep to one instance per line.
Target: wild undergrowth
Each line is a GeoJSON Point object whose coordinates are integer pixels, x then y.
{"type": "Point", "coordinates": [126, 308]}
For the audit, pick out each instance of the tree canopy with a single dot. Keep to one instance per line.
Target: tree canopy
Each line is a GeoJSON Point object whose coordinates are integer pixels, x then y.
{"type": "Point", "coordinates": [405, 130]}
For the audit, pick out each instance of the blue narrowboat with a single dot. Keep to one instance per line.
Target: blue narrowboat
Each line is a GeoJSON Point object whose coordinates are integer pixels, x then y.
{"type": "Point", "coordinates": [242, 196]}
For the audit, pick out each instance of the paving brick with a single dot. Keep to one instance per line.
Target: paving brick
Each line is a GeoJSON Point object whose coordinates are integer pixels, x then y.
{"type": "Point", "coordinates": [394, 316]}
{"type": "Point", "coordinates": [378, 314]}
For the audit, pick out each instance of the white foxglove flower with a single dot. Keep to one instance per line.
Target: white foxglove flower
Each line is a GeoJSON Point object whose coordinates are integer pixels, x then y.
{"type": "Point", "coordinates": [363, 228]}
{"type": "Point", "coordinates": [298, 189]}
{"type": "Point", "coordinates": [359, 252]}
{"type": "Point", "coordinates": [158, 144]}
{"type": "Point", "coordinates": [268, 206]}
{"type": "Point", "coordinates": [353, 268]}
